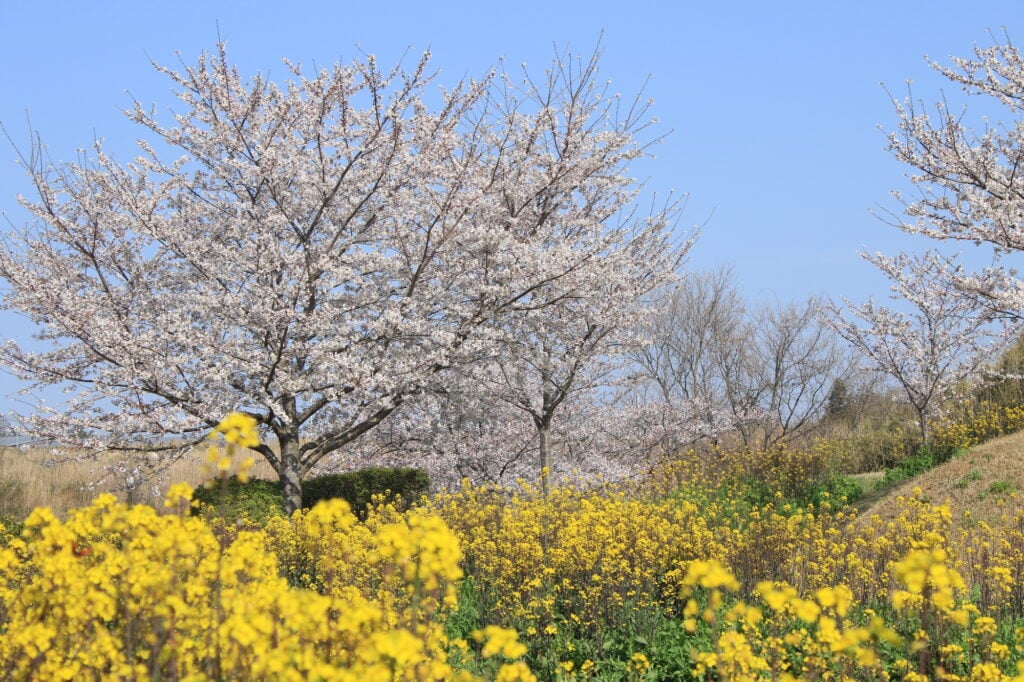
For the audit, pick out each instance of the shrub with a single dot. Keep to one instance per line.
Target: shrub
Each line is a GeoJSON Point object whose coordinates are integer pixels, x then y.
{"type": "Point", "coordinates": [255, 500]}
{"type": "Point", "coordinates": [921, 462]}
{"type": "Point", "coordinates": [883, 445]}
{"type": "Point", "coordinates": [358, 488]}
{"type": "Point", "coordinates": [977, 422]}
{"type": "Point", "coordinates": [836, 489]}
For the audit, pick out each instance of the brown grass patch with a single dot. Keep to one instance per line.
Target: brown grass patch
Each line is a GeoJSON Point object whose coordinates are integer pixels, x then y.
{"type": "Point", "coordinates": [984, 484]}
{"type": "Point", "coordinates": [38, 477]}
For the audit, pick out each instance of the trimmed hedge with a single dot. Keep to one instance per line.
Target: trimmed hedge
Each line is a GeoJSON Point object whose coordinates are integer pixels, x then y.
{"type": "Point", "coordinates": [259, 499]}
{"type": "Point", "coordinates": [358, 487]}
{"type": "Point", "coordinates": [256, 500]}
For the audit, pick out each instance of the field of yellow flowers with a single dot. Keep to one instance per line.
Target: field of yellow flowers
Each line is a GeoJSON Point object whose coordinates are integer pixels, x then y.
{"type": "Point", "coordinates": [719, 566]}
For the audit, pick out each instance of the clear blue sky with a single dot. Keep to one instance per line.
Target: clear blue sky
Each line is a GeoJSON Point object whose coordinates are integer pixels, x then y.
{"type": "Point", "coordinates": [775, 107]}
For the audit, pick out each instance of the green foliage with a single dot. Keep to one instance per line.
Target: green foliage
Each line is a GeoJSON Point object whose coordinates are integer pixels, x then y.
{"type": "Point", "coordinates": [831, 488]}
{"type": "Point", "coordinates": [839, 405]}
{"type": "Point", "coordinates": [924, 459]}
{"type": "Point", "coordinates": [9, 529]}
{"type": "Point", "coordinates": [459, 626]}
{"type": "Point", "coordinates": [882, 445]}
{"type": "Point", "coordinates": [944, 453]}
{"type": "Point", "coordinates": [1001, 487]}
{"type": "Point", "coordinates": [837, 489]}
{"type": "Point", "coordinates": [359, 488]}
{"type": "Point", "coordinates": [602, 654]}
{"type": "Point", "coordinates": [232, 500]}
{"type": "Point", "coordinates": [470, 616]}
{"type": "Point", "coordinates": [258, 499]}
{"type": "Point", "coordinates": [974, 475]}
{"type": "Point", "coordinates": [920, 462]}
{"type": "Point", "coordinates": [736, 499]}
{"type": "Point", "coordinates": [673, 647]}
{"type": "Point", "coordinates": [751, 493]}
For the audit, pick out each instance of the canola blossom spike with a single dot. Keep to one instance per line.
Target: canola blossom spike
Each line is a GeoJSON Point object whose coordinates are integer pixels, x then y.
{"type": "Point", "coordinates": [240, 429]}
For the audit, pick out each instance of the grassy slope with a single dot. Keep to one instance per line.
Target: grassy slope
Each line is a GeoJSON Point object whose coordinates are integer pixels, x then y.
{"type": "Point", "coordinates": [988, 481]}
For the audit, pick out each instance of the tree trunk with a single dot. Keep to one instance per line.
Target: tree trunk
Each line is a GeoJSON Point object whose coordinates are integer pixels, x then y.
{"type": "Point", "coordinates": [925, 434]}
{"type": "Point", "coordinates": [289, 473]}
{"type": "Point", "coordinates": [544, 431]}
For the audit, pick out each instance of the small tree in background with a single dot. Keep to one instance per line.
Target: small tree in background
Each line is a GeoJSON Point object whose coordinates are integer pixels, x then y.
{"type": "Point", "coordinates": [471, 434]}
{"type": "Point", "coordinates": [942, 339]}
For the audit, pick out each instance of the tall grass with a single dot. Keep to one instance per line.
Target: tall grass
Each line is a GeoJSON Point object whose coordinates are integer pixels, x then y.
{"type": "Point", "coordinates": [63, 480]}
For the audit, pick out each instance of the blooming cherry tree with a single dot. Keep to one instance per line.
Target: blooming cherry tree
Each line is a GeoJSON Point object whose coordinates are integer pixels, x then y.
{"type": "Point", "coordinates": [469, 434]}
{"type": "Point", "coordinates": [319, 252]}
{"type": "Point", "coordinates": [969, 181]}
{"type": "Point", "coordinates": [572, 351]}
{"type": "Point", "coordinates": [940, 340]}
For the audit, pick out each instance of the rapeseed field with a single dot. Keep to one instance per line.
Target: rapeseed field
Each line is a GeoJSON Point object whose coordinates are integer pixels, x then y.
{"type": "Point", "coordinates": [716, 566]}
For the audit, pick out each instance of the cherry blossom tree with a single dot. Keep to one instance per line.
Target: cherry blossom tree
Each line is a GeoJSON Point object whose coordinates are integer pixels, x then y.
{"type": "Point", "coordinates": [320, 252]}
{"type": "Point", "coordinates": [968, 180]}
{"type": "Point", "coordinates": [574, 349]}
{"type": "Point", "coordinates": [453, 433]}
{"type": "Point", "coordinates": [592, 439]}
{"type": "Point", "coordinates": [938, 338]}
{"type": "Point", "coordinates": [532, 383]}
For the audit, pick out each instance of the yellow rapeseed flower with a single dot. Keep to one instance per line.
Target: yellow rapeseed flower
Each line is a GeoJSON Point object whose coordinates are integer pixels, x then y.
{"type": "Point", "coordinates": [238, 428]}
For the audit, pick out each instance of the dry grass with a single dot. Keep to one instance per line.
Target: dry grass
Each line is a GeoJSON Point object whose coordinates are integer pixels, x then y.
{"type": "Point", "coordinates": [987, 481]}
{"type": "Point", "coordinates": [32, 478]}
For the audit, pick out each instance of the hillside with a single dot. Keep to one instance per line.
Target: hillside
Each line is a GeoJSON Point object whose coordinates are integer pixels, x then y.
{"type": "Point", "coordinates": [987, 482]}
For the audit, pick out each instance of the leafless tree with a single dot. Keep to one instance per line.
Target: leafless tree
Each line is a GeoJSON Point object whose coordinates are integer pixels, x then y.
{"type": "Point", "coordinates": [770, 367]}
